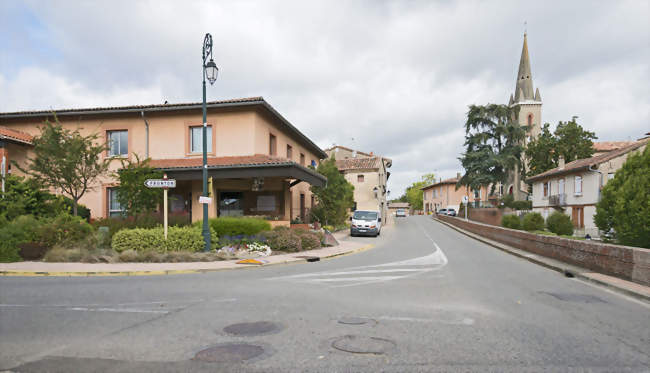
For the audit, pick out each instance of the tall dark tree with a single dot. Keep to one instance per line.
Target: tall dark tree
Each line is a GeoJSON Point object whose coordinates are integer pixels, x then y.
{"type": "Point", "coordinates": [493, 145]}
{"type": "Point", "coordinates": [67, 161]}
{"type": "Point", "coordinates": [335, 198]}
{"type": "Point", "coordinates": [570, 141]}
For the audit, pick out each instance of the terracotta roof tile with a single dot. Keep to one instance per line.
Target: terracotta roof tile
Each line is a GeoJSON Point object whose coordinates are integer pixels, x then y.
{"type": "Point", "coordinates": [588, 162]}
{"type": "Point", "coordinates": [607, 146]}
{"type": "Point", "coordinates": [13, 135]}
{"type": "Point", "coordinates": [452, 180]}
{"type": "Point", "coordinates": [197, 162]}
{"type": "Point", "coordinates": [357, 163]}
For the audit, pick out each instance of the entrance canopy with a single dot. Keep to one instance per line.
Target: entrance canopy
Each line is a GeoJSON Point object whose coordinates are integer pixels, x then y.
{"type": "Point", "coordinates": [254, 166]}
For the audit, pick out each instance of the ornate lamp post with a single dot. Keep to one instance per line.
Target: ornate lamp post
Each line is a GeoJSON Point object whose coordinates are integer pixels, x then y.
{"type": "Point", "coordinates": [210, 71]}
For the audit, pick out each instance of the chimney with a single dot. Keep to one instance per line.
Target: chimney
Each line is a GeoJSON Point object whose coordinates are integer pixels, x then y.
{"type": "Point", "coordinates": [560, 163]}
{"type": "Point", "coordinates": [457, 175]}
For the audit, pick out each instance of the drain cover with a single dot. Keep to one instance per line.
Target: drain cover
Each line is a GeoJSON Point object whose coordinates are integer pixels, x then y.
{"type": "Point", "coordinates": [356, 321]}
{"type": "Point", "coordinates": [252, 328]}
{"type": "Point", "coordinates": [572, 297]}
{"type": "Point", "coordinates": [363, 345]}
{"type": "Point", "coordinates": [229, 353]}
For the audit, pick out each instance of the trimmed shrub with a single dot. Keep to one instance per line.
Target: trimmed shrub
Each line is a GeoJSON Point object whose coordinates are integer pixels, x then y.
{"type": "Point", "coordinates": [283, 239]}
{"type": "Point", "coordinates": [511, 221]}
{"type": "Point", "coordinates": [559, 224]}
{"type": "Point", "coordinates": [64, 229]}
{"type": "Point", "coordinates": [31, 250]}
{"type": "Point", "coordinates": [233, 226]}
{"type": "Point", "coordinates": [522, 205]}
{"type": "Point", "coordinates": [20, 230]}
{"type": "Point", "coordinates": [310, 241]}
{"type": "Point", "coordinates": [143, 240]}
{"type": "Point", "coordinates": [533, 221]}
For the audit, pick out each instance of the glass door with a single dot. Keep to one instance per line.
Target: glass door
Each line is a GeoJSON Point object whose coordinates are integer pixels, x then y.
{"type": "Point", "coordinates": [231, 204]}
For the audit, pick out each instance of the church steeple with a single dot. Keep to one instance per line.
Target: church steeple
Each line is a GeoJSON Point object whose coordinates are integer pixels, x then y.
{"type": "Point", "coordinates": [524, 87]}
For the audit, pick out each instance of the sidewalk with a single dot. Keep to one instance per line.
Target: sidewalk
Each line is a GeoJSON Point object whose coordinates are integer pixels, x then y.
{"type": "Point", "coordinates": [623, 286]}
{"type": "Point", "coordinates": [147, 269]}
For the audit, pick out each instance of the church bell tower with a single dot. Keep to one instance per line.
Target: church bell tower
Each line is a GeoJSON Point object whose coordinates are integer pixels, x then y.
{"type": "Point", "coordinates": [528, 102]}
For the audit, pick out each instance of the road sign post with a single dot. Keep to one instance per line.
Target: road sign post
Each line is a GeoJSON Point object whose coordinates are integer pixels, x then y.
{"type": "Point", "coordinates": [465, 202]}
{"type": "Point", "coordinates": [165, 184]}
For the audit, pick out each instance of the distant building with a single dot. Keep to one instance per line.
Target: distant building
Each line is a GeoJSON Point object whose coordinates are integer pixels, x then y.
{"type": "Point", "coordinates": [368, 173]}
{"type": "Point", "coordinates": [574, 188]}
{"type": "Point", "coordinates": [443, 195]}
{"type": "Point", "coordinates": [394, 206]}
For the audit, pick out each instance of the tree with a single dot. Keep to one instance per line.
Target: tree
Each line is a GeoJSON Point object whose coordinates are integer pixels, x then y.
{"type": "Point", "coordinates": [625, 203]}
{"type": "Point", "coordinates": [570, 141]}
{"type": "Point", "coordinates": [335, 198]}
{"type": "Point", "coordinates": [66, 160]}
{"type": "Point", "coordinates": [413, 193]}
{"type": "Point", "coordinates": [131, 193]}
{"type": "Point", "coordinates": [26, 197]}
{"type": "Point", "coordinates": [493, 146]}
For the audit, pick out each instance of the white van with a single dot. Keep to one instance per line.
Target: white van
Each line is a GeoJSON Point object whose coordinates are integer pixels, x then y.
{"type": "Point", "coordinates": [367, 223]}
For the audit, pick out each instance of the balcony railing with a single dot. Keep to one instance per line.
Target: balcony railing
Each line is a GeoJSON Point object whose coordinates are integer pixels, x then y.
{"type": "Point", "coordinates": [557, 200]}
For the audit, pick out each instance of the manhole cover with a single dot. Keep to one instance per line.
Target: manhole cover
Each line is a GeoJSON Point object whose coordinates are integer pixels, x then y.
{"type": "Point", "coordinates": [252, 328]}
{"type": "Point", "coordinates": [572, 297]}
{"type": "Point", "coordinates": [363, 345]}
{"type": "Point", "coordinates": [356, 321]}
{"type": "Point", "coordinates": [229, 353]}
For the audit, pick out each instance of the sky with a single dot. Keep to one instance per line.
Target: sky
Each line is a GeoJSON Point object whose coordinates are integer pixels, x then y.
{"type": "Point", "coordinates": [392, 77]}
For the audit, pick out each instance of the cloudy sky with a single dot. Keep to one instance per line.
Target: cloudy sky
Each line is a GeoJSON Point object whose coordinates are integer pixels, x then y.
{"type": "Point", "coordinates": [390, 77]}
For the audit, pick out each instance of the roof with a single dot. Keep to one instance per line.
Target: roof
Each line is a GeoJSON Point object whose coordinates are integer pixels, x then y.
{"type": "Point", "coordinates": [358, 163]}
{"type": "Point", "coordinates": [452, 180]}
{"type": "Point", "coordinates": [583, 164]}
{"type": "Point", "coordinates": [348, 149]}
{"type": "Point", "coordinates": [137, 109]}
{"type": "Point", "coordinates": [524, 86]}
{"type": "Point", "coordinates": [219, 162]}
{"type": "Point", "coordinates": [608, 146]}
{"type": "Point", "coordinates": [15, 136]}
{"type": "Point", "coordinates": [399, 205]}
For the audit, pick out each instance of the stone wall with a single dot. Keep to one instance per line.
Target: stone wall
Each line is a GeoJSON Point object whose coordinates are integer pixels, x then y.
{"type": "Point", "coordinates": [490, 216]}
{"type": "Point", "coordinates": [626, 262]}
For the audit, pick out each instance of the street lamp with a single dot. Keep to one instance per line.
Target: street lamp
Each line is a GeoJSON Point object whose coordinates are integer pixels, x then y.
{"type": "Point", "coordinates": [210, 71]}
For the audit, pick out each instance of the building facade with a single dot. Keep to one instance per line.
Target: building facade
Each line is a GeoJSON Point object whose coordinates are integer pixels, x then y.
{"type": "Point", "coordinates": [574, 188]}
{"type": "Point", "coordinates": [257, 160]}
{"type": "Point", "coordinates": [444, 195]}
{"type": "Point", "coordinates": [368, 173]}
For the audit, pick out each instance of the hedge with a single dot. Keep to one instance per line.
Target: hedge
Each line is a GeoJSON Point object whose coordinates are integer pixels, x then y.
{"type": "Point", "coordinates": [152, 239]}
{"type": "Point", "coordinates": [533, 221]}
{"type": "Point", "coordinates": [233, 226]}
{"type": "Point", "coordinates": [20, 230]}
{"type": "Point", "coordinates": [511, 221]}
{"type": "Point", "coordinates": [559, 224]}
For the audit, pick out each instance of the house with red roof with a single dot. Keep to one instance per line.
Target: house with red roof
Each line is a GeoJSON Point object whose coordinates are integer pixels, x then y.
{"type": "Point", "coordinates": [258, 162]}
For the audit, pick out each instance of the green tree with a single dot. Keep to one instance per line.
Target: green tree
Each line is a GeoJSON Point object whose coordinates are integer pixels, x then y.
{"type": "Point", "coordinates": [413, 193]}
{"type": "Point", "coordinates": [66, 160]}
{"type": "Point", "coordinates": [26, 197]}
{"type": "Point", "coordinates": [625, 203]}
{"type": "Point", "coordinates": [493, 146]}
{"type": "Point", "coordinates": [335, 198]}
{"type": "Point", "coordinates": [570, 141]}
{"type": "Point", "coordinates": [131, 193]}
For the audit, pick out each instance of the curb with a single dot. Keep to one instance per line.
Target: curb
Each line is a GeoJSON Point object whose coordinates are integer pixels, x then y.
{"type": "Point", "coordinates": [171, 271]}
{"type": "Point", "coordinates": [566, 269]}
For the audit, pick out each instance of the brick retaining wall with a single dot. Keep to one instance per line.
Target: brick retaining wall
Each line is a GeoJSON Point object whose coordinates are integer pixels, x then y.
{"type": "Point", "coordinates": [626, 262]}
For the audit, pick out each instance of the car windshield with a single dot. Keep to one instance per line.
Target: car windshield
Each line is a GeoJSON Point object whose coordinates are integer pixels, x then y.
{"type": "Point", "coordinates": [365, 215]}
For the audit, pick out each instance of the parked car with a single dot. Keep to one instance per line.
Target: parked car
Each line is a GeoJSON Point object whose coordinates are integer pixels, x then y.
{"type": "Point", "coordinates": [366, 223]}
{"type": "Point", "coordinates": [400, 213]}
{"type": "Point", "coordinates": [442, 212]}
{"type": "Point", "coordinates": [451, 212]}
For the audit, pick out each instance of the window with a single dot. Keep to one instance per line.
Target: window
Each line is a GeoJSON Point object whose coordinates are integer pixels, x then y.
{"type": "Point", "coordinates": [114, 207]}
{"type": "Point", "coordinates": [273, 145]}
{"type": "Point", "coordinates": [477, 194]}
{"type": "Point", "coordinates": [359, 178]}
{"type": "Point", "coordinates": [118, 143]}
{"type": "Point", "coordinates": [289, 152]}
{"type": "Point", "coordinates": [196, 139]}
{"type": "Point", "coordinates": [578, 185]}
{"type": "Point", "coordinates": [302, 159]}
{"type": "Point", "coordinates": [545, 189]}
{"type": "Point", "coordinates": [530, 119]}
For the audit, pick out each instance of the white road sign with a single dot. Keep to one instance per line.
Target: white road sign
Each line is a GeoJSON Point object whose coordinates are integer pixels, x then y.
{"type": "Point", "coordinates": [465, 199]}
{"type": "Point", "coordinates": [203, 199]}
{"type": "Point", "coordinates": [160, 183]}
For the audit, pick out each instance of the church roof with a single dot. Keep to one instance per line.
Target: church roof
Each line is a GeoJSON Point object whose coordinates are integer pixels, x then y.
{"type": "Point", "coordinates": [524, 86]}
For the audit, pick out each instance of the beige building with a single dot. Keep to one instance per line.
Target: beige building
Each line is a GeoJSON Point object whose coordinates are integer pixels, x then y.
{"type": "Point", "coordinates": [574, 188]}
{"type": "Point", "coordinates": [257, 160]}
{"type": "Point", "coordinates": [368, 173]}
{"type": "Point", "coordinates": [444, 195]}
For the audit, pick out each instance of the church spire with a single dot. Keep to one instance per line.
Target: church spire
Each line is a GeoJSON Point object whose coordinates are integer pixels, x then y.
{"type": "Point", "coordinates": [524, 88]}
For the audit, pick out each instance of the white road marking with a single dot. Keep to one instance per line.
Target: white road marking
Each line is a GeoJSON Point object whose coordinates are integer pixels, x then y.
{"type": "Point", "coordinates": [119, 310]}
{"type": "Point", "coordinates": [463, 321]}
{"type": "Point", "coordinates": [369, 274]}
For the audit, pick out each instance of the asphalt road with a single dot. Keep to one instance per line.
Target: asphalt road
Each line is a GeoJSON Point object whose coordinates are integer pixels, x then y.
{"type": "Point", "coordinates": [426, 298]}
